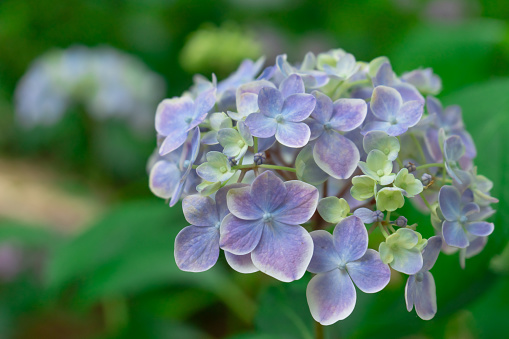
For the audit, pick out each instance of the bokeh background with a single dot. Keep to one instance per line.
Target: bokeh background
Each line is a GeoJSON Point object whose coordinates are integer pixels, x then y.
{"type": "Point", "coordinates": [86, 251]}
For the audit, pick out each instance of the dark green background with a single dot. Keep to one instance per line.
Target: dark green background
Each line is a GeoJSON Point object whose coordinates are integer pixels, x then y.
{"type": "Point", "coordinates": [118, 279]}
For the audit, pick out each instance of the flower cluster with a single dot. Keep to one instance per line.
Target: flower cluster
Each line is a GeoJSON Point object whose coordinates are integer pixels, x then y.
{"type": "Point", "coordinates": [108, 83]}
{"type": "Point", "coordinates": [282, 168]}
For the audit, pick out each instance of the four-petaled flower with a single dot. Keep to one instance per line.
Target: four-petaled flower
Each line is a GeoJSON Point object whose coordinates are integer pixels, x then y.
{"type": "Point", "coordinates": [281, 113]}
{"type": "Point", "coordinates": [339, 259]}
{"type": "Point", "coordinates": [264, 221]}
{"type": "Point", "coordinates": [402, 250]}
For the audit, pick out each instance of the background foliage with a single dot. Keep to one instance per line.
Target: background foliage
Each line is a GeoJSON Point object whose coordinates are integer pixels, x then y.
{"type": "Point", "coordinates": [93, 250]}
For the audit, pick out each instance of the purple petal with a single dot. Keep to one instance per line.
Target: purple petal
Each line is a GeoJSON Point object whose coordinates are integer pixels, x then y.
{"type": "Point", "coordinates": [325, 258]}
{"type": "Point", "coordinates": [240, 236]}
{"type": "Point", "coordinates": [240, 263]}
{"type": "Point", "coordinates": [241, 204]}
{"type": "Point", "coordinates": [398, 129]}
{"type": "Point", "coordinates": [270, 101]}
{"type": "Point", "coordinates": [348, 114]}
{"type": "Point", "coordinates": [331, 296]}
{"type": "Point", "coordinates": [323, 109]}
{"type": "Point", "coordinates": [197, 248]}
{"type": "Point", "coordinates": [298, 107]}
{"type": "Point", "coordinates": [266, 143]}
{"type": "Point", "coordinates": [431, 252]}
{"type": "Point", "coordinates": [293, 134]}
{"type": "Point", "coordinates": [409, 292]}
{"type": "Point", "coordinates": [268, 191]}
{"type": "Point", "coordinates": [434, 106]}
{"type": "Point", "coordinates": [261, 126]}
{"type": "Point", "coordinates": [407, 261]}
{"type": "Point", "coordinates": [453, 148]}
{"type": "Point", "coordinates": [284, 251]}
{"type": "Point", "coordinates": [299, 204]}
{"type": "Point", "coordinates": [366, 215]}
{"type": "Point", "coordinates": [202, 105]}
{"type": "Point", "coordinates": [409, 92]}
{"type": "Point", "coordinates": [350, 239]}
{"type": "Point", "coordinates": [316, 128]}
{"type": "Point", "coordinates": [221, 201]}
{"type": "Point", "coordinates": [376, 126]}
{"type": "Point", "coordinates": [432, 144]}
{"type": "Point", "coordinates": [385, 103]}
{"type": "Point", "coordinates": [291, 85]}
{"type": "Point", "coordinates": [470, 150]}
{"type": "Point", "coordinates": [200, 210]}
{"type": "Point", "coordinates": [384, 75]}
{"type": "Point", "coordinates": [480, 228]}
{"type": "Point", "coordinates": [164, 177]}
{"type": "Point", "coordinates": [470, 208]}
{"type": "Point", "coordinates": [369, 273]}
{"type": "Point", "coordinates": [173, 141]}
{"type": "Point", "coordinates": [454, 235]}
{"type": "Point", "coordinates": [336, 155]}
{"type": "Point", "coordinates": [171, 115]}
{"type": "Point", "coordinates": [425, 298]}
{"type": "Point", "coordinates": [410, 113]}
{"type": "Point", "coordinates": [449, 199]}
{"type": "Point", "coordinates": [476, 246]}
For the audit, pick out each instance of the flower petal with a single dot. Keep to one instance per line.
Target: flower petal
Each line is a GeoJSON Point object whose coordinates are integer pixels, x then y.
{"type": "Point", "coordinates": [293, 134]}
{"type": "Point", "coordinates": [407, 261]}
{"type": "Point", "coordinates": [425, 298]}
{"type": "Point", "coordinates": [240, 263]}
{"type": "Point", "coordinates": [454, 235]}
{"type": "Point", "coordinates": [292, 85]}
{"type": "Point", "coordinates": [261, 126]}
{"type": "Point", "coordinates": [200, 210]}
{"type": "Point", "coordinates": [350, 239]}
{"type": "Point", "coordinates": [348, 114]}
{"type": "Point", "coordinates": [270, 101]}
{"type": "Point", "coordinates": [299, 204]}
{"type": "Point", "coordinates": [323, 108]}
{"type": "Point", "coordinates": [431, 252]}
{"type": "Point", "coordinates": [241, 204]}
{"type": "Point", "coordinates": [331, 296]}
{"type": "Point", "coordinates": [385, 103]}
{"type": "Point", "coordinates": [369, 273]}
{"type": "Point", "coordinates": [268, 191]}
{"type": "Point", "coordinates": [336, 155]}
{"type": "Point", "coordinates": [409, 292]}
{"type": "Point", "coordinates": [410, 113]}
{"type": "Point", "coordinates": [284, 251]}
{"type": "Point", "coordinates": [221, 201]}
{"type": "Point", "coordinates": [173, 141]}
{"type": "Point", "coordinates": [325, 258]}
{"type": "Point", "coordinates": [197, 248]}
{"type": "Point", "coordinates": [240, 236]}
{"type": "Point", "coordinates": [171, 115]}
{"type": "Point", "coordinates": [480, 228]}
{"type": "Point", "coordinates": [449, 199]}
{"type": "Point", "coordinates": [298, 107]}
{"type": "Point", "coordinates": [164, 177]}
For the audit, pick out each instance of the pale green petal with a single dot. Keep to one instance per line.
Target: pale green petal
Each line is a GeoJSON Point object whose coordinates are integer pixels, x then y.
{"type": "Point", "coordinates": [363, 187]}
{"type": "Point", "coordinates": [407, 238]}
{"type": "Point", "coordinates": [385, 253]}
{"type": "Point", "coordinates": [333, 209]}
{"type": "Point", "coordinates": [389, 199]}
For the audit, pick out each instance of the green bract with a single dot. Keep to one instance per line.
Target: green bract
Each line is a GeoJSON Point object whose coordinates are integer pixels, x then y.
{"type": "Point", "coordinates": [333, 209]}
{"type": "Point", "coordinates": [408, 183]}
{"type": "Point", "coordinates": [216, 169]}
{"type": "Point", "coordinates": [206, 188]}
{"type": "Point", "coordinates": [217, 121]}
{"type": "Point", "coordinates": [378, 167]}
{"type": "Point", "coordinates": [398, 245]}
{"type": "Point", "coordinates": [389, 199]}
{"type": "Point", "coordinates": [363, 187]}
{"type": "Point", "coordinates": [235, 142]}
{"type": "Point", "coordinates": [379, 140]}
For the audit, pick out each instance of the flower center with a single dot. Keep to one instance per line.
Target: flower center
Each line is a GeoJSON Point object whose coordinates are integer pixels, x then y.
{"type": "Point", "coordinates": [267, 217]}
{"type": "Point", "coordinates": [280, 118]}
{"type": "Point", "coordinates": [186, 163]}
{"type": "Point", "coordinates": [342, 266]}
{"type": "Point", "coordinates": [380, 173]}
{"type": "Point", "coordinates": [327, 126]}
{"type": "Point", "coordinates": [387, 151]}
{"type": "Point", "coordinates": [217, 224]}
{"type": "Point", "coordinates": [188, 120]}
{"type": "Point", "coordinates": [463, 219]}
{"type": "Point", "coordinates": [223, 169]}
{"type": "Point", "coordinates": [419, 276]}
{"type": "Point", "coordinates": [241, 143]}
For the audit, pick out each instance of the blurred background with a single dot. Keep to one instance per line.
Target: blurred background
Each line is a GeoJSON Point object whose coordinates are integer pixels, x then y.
{"type": "Point", "coordinates": [86, 251]}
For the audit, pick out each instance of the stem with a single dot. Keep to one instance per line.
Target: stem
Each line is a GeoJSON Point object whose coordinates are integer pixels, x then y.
{"type": "Point", "coordinates": [400, 163]}
{"type": "Point", "coordinates": [435, 164]}
{"type": "Point", "coordinates": [115, 313]}
{"type": "Point", "coordinates": [444, 173]}
{"type": "Point", "coordinates": [384, 231]}
{"type": "Point", "coordinates": [289, 169]}
{"type": "Point", "coordinates": [255, 144]}
{"type": "Point", "coordinates": [319, 330]}
{"type": "Point", "coordinates": [426, 201]}
{"type": "Point", "coordinates": [388, 217]}
{"type": "Point", "coordinates": [419, 147]}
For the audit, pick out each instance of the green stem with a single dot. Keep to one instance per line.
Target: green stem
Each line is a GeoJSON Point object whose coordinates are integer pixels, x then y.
{"type": "Point", "coordinates": [116, 313]}
{"type": "Point", "coordinates": [388, 217]}
{"type": "Point", "coordinates": [435, 164]}
{"type": "Point", "coordinates": [400, 163]}
{"type": "Point", "coordinates": [426, 201]}
{"type": "Point", "coordinates": [319, 330]}
{"type": "Point", "coordinates": [255, 144]}
{"type": "Point", "coordinates": [283, 168]}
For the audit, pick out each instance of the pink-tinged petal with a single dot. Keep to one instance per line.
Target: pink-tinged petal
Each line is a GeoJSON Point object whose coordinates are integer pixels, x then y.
{"type": "Point", "coordinates": [261, 126]}
{"type": "Point", "coordinates": [348, 114]}
{"type": "Point", "coordinates": [409, 92]}
{"type": "Point", "coordinates": [298, 107]}
{"type": "Point", "coordinates": [449, 199]}
{"type": "Point", "coordinates": [432, 144]}
{"type": "Point", "coordinates": [292, 85]}
{"type": "Point", "coordinates": [241, 204]}
{"type": "Point", "coordinates": [407, 261]}
{"type": "Point", "coordinates": [434, 106]}
{"type": "Point", "coordinates": [376, 126]}
{"type": "Point", "coordinates": [480, 228]}
{"type": "Point", "coordinates": [240, 263]}
{"type": "Point", "coordinates": [200, 210]}
{"type": "Point", "coordinates": [425, 298]}
{"type": "Point", "coordinates": [453, 148]}
{"type": "Point", "coordinates": [369, 273]}
{"type": "Point", "coordinates": [173, 141]}
{"type": "Point", "coordinates": [331, 296]}
{"type": "Point", "coordinates": [325, 258]}
{"type": "Point", "coordinates": [171, 115]}
{"type": "Point", "coordinates": [398, 129]}
{"type": "Point", "coordinates": [323, 108]}
{"type": "Point", "coordinates": [268, 191]}
{"type": "Point", "coordinates": [221, 201]}
{"type": "Point", "coordinates": [385, 103]}
{"type": "Point", "coordinates": [431, 252]}
{"type": "Point", "coordinates": [293, 134]}
{"type": "Point", "coordinates": [454, 235]}
{"type": "Point", "coordinates": [240, 236]}
{"type": "Point", "coordinates": [197, 248]}
{"type": "Point", "coordinates": [202, 105]}
{"type": "Point", "coordinates": [384, 75]}
{"type": "Point", "coordinates": [270, 101]}
{"type": "Point", "coordinates": [410, 113]}
{"type": "Point", "coordinates": [336, 155]}
{"type": "Point", "coordinates": [316, 128]}
{"type": "Point", "coordinates": [409, 293]}
{"type": "Point", "coordinates": [350, 239]}
{"type": "Point", "coordinates": [164, 177]}
{"type": "Point", "coordinates": [283, 252]}
{"type": "Point", "coordinates": [476, 246]}
{"type": "Point", "coordinates": [470, 150]}
{"type": "Point", "coordinates": [299, 204]}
